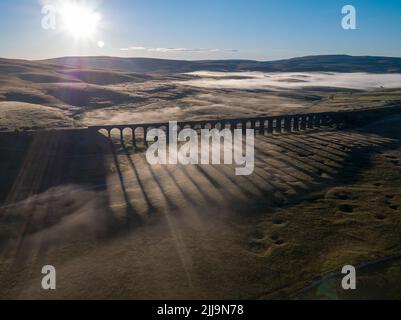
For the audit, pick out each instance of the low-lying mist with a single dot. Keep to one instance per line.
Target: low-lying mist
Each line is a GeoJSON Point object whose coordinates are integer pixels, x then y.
{"type": "Point", "coordinates": [286, 80]}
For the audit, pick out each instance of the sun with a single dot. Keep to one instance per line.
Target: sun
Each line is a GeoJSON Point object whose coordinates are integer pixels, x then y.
{"type": "Point", "coordinates": [79, 21]}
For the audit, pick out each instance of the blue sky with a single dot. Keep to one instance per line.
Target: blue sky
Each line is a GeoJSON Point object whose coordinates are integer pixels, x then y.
{"type": "Point", "coordinates": [207, 29]}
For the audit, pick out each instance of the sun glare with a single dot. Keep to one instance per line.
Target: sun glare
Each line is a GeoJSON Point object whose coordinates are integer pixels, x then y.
{"type": "Point", "coordinates": [79, 21]}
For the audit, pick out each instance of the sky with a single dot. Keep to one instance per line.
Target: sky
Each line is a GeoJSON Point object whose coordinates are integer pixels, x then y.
{"type": "Point", "coordinates": [202, 29]}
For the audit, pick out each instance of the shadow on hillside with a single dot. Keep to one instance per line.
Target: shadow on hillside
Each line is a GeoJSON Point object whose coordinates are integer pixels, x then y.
{"type": "Point", "coordinates": [76, 185]}
{"type": "Point", "coordinates": [288, 168]}
{"type": "Point", "coordinates": [52, 188]}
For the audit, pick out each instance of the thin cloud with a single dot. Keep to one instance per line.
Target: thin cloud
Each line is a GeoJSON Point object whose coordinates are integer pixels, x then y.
{"type": "Point", "coordinates": [134, 48]}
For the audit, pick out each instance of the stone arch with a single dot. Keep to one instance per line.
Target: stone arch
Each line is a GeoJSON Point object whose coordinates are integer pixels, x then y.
{"type": "Point", "coordinates": [228, 125]}
{"type": "Point", "coordinates": [262, 126]}
{"type": "Point", "coordinates": [104, 132]}
{"type": "Point", "coordinates": [126, 135]}
{"type": "Point", "coordinates": [318, 120]}
{"type": "Point", "coordinates": [275, 125]}
{"type": "Point", "coordinates": [186, 126]}
{"type": "Point", "coordinates": [237, 125]}
{"type": "Point", "coordinates": [303, 122]}
{"type": "Point", "coordinates": [269, 125]}
{"type": "Point", "coordinates": [325, 120]}
{"type": "Point", "coordinates": [295, 123]}
{"type": "Point", "coordinates": [115, 135]}
{"type": "Point", "coordinates": [197, 127]}
{"type": "Point", "coordinates": [139, 135]}
{"type": "Point", "coordinates": [310, 121]}
{"type": "Point", "coordinates": [287, 123]}
{"type": "Point", "coordinates": [291, 122]}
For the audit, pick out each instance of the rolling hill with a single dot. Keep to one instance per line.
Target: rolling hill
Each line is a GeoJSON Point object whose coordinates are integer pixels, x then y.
{"type": "Point", "coordinates": [83, 91]}
{"type": "Point", "coordinates": [327, 63]}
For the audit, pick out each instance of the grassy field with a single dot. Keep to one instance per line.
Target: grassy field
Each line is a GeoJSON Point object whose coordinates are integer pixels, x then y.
{"type": "Point", "coordinates": [124, 229]}
{"type": "Point", "coordinates": [71, 96]}
{"type": "Point", "coordinates": [116, 227]}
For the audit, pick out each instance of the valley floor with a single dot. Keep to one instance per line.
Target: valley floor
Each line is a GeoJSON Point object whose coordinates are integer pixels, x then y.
{"type": "Point", "coordinates": [316, 202]}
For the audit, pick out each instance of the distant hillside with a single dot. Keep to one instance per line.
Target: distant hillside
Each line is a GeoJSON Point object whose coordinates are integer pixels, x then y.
{"type": "Point", "coordinates": [53, 72]}
{"type": "Point", "coordinates": [85, 91]}
{"type": "Point", "coordinates": [327, 63]}
{"type": "Point", "coordinates": [338, 63]}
